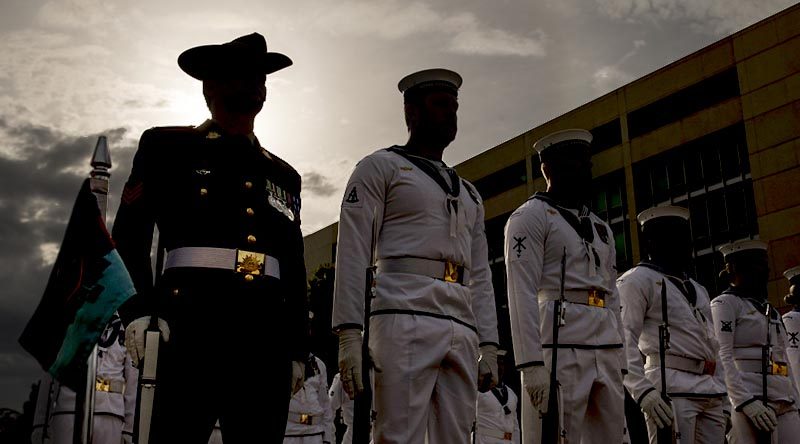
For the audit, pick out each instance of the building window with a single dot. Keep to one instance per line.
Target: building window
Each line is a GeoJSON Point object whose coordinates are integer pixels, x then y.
{"type": "Point", "coordinates": [605, 136]}
{"type": "Point", "coordinates": [609, 202]}
{"type": "Point", "coordinates": [701, 95]}
{"type": "Point", "coordinates": [502, 180]}
{"type": "Point", "coordinates": [711, 177]}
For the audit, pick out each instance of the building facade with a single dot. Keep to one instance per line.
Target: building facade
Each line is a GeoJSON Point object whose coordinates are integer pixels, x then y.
{"type": "Point", "coordinates": [717, 131]}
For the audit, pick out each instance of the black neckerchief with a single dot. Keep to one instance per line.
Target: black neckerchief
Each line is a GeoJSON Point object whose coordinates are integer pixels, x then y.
{"type": "Point", "coordinates": [427, 167]}
{"type": "Point", "coordinates": [582, 224]}
{"type": "Point", "coordinates": [312, 369]}
{"type": "Point", "coordinates": [684, 284]}
{"type": "Point", "coordinates": [758, 304]}
{"type": "Point", "coordinates": [501, 393]}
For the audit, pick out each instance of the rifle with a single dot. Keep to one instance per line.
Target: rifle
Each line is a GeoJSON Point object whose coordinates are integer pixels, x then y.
{"type": "Point", "coordinates": [552, 421]}
{"type": "Point", "coordinates": [362, 408]}
{"type": "Point", "coordinates": [763, 436]}
{"type": "Point", "coordinates": [147, 375]}
{"type": "Point", "coordinates": [668, 434]}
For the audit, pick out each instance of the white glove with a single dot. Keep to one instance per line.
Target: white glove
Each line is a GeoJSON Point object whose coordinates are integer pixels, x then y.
{"type": "Point", "coordinates": [536, 381]}
{"type": "Point", "coordinates": [298, 376]}
{"type": "Point", "coordinates": [487, 368]}
{"type": "Point", "coordinates": [127, 438]}
{"type": "Point", "coordinates": [350, 341]}
{"type": "Point", "coordinates": [136, 333]}
{"type": "Point", "coordinates": [656, 409]}
{"type": "Point", "coordinates": [761, 416]}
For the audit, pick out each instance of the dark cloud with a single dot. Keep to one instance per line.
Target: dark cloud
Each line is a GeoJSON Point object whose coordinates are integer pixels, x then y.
{"type": "Point", "coordinates": [318, 185]}
{"type": "Point", "coordinates": [38, 185]}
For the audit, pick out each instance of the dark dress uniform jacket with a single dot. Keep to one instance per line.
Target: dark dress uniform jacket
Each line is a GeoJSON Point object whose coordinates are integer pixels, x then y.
{"type": "Point", "coordinates": [203, 188]}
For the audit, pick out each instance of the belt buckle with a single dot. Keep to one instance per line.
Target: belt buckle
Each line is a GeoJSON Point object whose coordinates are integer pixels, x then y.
{"type": "Point", "coordinates": [450, 272]}
{"type": "Point", "coordinates": [305, 419]}
{"type": "Point", "coordinates": [779, 369]}
{"type": "Point", "coordinates": [507, 436]}
{"type": "Point", "coordinates": [102, 385]}
{"type": "Point", "coordinates": [709, 367]}
{"type": "Point", "coordinates": [596, 298]}
{"type": "Point", "coordinates": [250, 262]}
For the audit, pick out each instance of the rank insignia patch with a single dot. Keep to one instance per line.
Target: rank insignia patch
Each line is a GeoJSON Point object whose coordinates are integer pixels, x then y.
{"type": "Point", "coordinates": [352, 198]}
{"type": "Point", "coordinates": [726, 326]}
{"type": "Point", "coordinates": [793, 338]}
{"type": "Point", "coordinates": [132, 192]}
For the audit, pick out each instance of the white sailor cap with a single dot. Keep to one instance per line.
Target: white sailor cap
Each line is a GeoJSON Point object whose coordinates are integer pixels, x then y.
{"type": "Point", "coordinates": [431, 78]}
{"type": "Point", "coordinates": [664, 211]}
{"type": "Point", "coordinates": [792, 273]}
{"type": "Point", "coordinates": [742, 245]}
{"type": "Point", "coordinates": [563, 138]}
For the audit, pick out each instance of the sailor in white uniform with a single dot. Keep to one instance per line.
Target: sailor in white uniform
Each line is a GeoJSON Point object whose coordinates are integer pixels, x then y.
{"type": "Point", "coordinates": [115, 397]}
{"type": "Point", "coordinates": [791, 320]}
{"type": "Point", "coordinates": [433, 315]}
{"type": "Point", "coordinates": [695, 382]}
{"type": "Point", "coordinates": [591, 357]}
{"type": "Point", "coordinates": [496, 421]}
{"type": "Point", "coordinates": [310, 417]}
{"type": "Point", "coordinates": [740, 324]}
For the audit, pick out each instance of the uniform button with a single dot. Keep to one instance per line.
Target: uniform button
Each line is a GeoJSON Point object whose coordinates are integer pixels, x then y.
{"type": "Point", "coordinates": [175, 291]}
{"type": "Point", "coordinates": [248, 277]}
{"type": "Point", "coordinates": [203, 191]}
{"type": "Point", "coordinates": [248, 184]}
{"type": "Point", "coordinates": [250, 212]}
{"type": "Point", "coordinates": [251, 239]}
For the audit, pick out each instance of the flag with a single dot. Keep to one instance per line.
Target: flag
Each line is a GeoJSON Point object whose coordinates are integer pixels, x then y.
{"type": "Point", "coordinates": [87, 285]}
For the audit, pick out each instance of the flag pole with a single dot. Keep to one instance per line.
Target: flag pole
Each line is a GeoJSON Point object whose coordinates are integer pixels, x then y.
{"type": "Point", "coordinates": [84, 400]}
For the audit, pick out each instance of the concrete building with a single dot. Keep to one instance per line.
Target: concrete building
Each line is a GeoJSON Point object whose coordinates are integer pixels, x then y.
{"type": "Point", "coordinates": [717, 131]}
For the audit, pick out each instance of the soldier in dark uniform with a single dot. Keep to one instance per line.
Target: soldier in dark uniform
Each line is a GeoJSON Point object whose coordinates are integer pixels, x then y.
{"type": "Point", "coordinates": [233, 287]}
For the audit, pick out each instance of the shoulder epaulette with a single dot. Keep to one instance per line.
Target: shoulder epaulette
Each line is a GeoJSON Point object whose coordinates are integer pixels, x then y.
{"type": "Point", "coordinates": [282, 162]}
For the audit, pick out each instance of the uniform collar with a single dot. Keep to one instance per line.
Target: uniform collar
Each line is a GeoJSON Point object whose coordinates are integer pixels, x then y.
{"type": "Point", "coordinates": [211, 129]}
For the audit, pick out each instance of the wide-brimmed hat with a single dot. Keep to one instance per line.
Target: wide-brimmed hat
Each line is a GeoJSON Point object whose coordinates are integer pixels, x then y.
{"type": "Point", "coordinates": [246, 53]}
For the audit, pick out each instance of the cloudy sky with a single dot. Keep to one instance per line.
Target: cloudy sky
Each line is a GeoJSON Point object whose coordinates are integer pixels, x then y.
{"type": "Point", "coordinates": [71, 70]}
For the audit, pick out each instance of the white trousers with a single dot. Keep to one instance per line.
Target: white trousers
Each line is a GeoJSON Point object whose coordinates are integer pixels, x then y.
{"type": "Point", "coordinates": [315, 439]}
{"type": "Point", "coordinates": [591, 394]}
{"type": "Point", "coordinates": [700, 421]}
{"type": "Point", "coordinates": [107, 429]}
{"type": "Point", "coordinates": [426, 372]}
{"type": "Point", "coordinates": [788, 432]}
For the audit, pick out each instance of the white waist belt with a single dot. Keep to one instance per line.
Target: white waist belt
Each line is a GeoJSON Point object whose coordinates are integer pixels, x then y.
{"type": "Point", "coordinates": [590, 297]}
{"type": "Point", "coordinates": [301, 418]}
{"type": "Point", "coordinates": [494, 433]}
{"type": "Point", "coordinates": [109, 385]}
{"type": "Point", "coordinates": [240, 261]}
{"type": "Point", "coordinates": [444, 270]}
{"type": "Point", "coordinates": [754, 366]}
{"type": "Point", "coordinates": [683, 363]}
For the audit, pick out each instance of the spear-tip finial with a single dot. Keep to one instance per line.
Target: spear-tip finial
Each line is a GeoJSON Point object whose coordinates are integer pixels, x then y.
{"type": "Point", "coordinates": [101, 159]}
